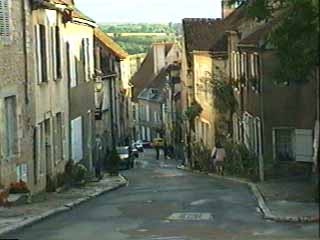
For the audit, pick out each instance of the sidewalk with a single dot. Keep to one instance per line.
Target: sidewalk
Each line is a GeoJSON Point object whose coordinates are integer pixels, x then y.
{"type": "Point", "coordinates": [48, 204]}
{"type": "Point", "coordinates": [290, 199]}
{"type": "Point", "coordinates": [285, 200]}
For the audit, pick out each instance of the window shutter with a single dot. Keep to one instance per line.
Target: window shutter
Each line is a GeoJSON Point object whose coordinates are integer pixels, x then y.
{"type": "Point", "coordinates": [4, 20]}
{"type": "Point", "coordinates": [43, 48]}
{"type": "Point", "coordinates": [76, 139]}
{"type": "Point", "coordinates": [54, 52]}
{"type": "Point", "coordinates": [58, 51]}
{"type": "Point", "coordinates": [38, 53]}
{"type": "Point", "coordinates": [303, 145]}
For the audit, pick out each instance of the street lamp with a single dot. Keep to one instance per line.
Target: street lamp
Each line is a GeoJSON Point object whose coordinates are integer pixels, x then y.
{"type": "Point", "coordinates": [98, 86]}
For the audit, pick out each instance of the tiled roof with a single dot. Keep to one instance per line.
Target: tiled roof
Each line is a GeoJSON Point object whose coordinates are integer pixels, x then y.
{"type": "Point", "coordinates": [144, 74]}
{"type": "Point", "coordinates": [201, 34]}
{"type": "Point", "coordinates": [260, 35]}
{"type": "Point", "coordinates": [109, 43]}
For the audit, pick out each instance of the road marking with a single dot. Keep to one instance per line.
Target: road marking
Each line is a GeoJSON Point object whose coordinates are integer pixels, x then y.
{"type": "Point", "coordinates": [167, 238]}
{"type": "Point", "coordinates": [200, 202]}
{"type": "Point", "coordinates": [191, 216]}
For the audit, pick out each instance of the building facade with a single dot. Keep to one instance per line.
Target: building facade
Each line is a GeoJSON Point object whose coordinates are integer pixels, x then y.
{"type": "Point", "coordinates": [149, 87]}
{"type": "Point", "coordinates": [16, 100]}
{"type": "Point", "coordinates": [112, 102]}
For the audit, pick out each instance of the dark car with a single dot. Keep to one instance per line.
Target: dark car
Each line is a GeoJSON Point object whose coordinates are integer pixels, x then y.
{"type": "Point", "coordinates": [126, 157]}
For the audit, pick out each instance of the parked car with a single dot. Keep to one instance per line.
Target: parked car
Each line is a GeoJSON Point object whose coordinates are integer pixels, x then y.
{"type": "Point", "coordinates": [145, 143]}
{"type": "Point", "coordinates": [139, 145]}
{"type": "Point", "coordinates": [134, 150]}
{"type": "Point", "coordinates": [126, 157]}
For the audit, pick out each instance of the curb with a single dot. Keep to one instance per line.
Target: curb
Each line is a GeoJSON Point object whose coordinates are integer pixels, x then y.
{"type": "Point", "coordinates": [67, 207]}
{"type": "Point", "coordinates": [267, 214]}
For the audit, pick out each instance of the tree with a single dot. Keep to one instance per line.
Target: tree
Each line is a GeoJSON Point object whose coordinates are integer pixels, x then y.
{"type": "Point", "coordinates": [295, 37]}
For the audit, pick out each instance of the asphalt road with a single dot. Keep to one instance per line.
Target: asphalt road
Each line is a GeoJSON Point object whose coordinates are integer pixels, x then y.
{"type": "Point", "coordinates": [163, 203]}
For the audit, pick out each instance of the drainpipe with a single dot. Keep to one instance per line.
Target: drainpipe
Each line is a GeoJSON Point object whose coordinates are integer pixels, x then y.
{"type": "Point", "coordinates": [25, 50]}
{"type": "Point", "coordinates": [261, 140]}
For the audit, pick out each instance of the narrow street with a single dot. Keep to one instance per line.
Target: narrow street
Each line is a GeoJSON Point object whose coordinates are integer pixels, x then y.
{"type": "Point", "coordinates": [148, 209]}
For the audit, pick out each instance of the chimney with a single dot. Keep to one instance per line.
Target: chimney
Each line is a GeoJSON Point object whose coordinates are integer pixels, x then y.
{"type": "Point", "coordinates": [226, 8]}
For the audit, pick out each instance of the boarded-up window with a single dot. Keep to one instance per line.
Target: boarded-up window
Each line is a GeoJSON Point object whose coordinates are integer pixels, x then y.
{"type": "Point", "coordinates": [10, 125]}
{"type": "Point", "coordinates": [4, 21]}
{"type": "Point", "coordinates": [303, 145]}
{"type": "Point", "coordinates": [76, 139]}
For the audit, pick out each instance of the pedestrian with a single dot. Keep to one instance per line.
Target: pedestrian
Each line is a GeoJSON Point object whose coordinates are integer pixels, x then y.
{"type": "Point", "coordinates": [165, 150]}
{"type": "Point", "coordinates": [99, 153]}
{"type": "Point", "coordinates": [218, 155]}
{"type": "Point", "coordinates": [156, 146]}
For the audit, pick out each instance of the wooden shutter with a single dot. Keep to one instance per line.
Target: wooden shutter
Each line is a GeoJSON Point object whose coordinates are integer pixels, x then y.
{"type": "Point", "coordinates": [76, 139]}
{"type": "Point", "coordinates": [58, 51]}
{"type": "Point", "coordinates": [303, 145]}
{"type": "Point", "coordinates": [43, 50]}
{"type": "Point", "coordinates": [54, 53]}
{"type": "Point", "coordinates": [38, 53]}
{"type": "Point", "coordinates": [4, 20]}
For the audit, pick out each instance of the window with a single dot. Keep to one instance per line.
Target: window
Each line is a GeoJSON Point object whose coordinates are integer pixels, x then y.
{"type": "Point", "coordinates": [4, 21]}
{"type": "Point", "coordinates": [41, 53]}
{"type": "Point", "coordinates": [10, 126]}
{"type": "Point", "coordinates": [283, 144]}
{"type": "Point", "coordinates": [76, 139]}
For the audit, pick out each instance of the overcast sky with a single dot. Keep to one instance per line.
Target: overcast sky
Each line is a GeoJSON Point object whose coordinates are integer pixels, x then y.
{"type": "Point", "coordinates": [149, 10]}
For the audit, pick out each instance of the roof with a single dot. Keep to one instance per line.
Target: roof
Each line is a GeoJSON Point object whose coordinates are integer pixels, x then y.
{"type": "Point", "coordinates": [259, 36]}
{"type": "Point", "coordinates": [201, 34]}
{"type": "Point", "coordinates": [145, 77]}
{"type": "Point", "coordinates": [109, 43]}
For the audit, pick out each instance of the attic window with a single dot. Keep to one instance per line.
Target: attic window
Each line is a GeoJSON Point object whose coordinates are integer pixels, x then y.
{"type": "Point", "coordinates": [4, 21]}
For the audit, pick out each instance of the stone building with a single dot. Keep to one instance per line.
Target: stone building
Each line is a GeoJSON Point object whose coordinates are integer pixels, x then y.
{"type": "Point", "coordinates": [79, 45]}
{"type": "Point", "coordinates": [112, 100]}
{"type": "Point", "coordinates": [50, 90]}
{"type": "Point", "coordinates": [148, 89]}
{"type": "Point", "coordinates": [16, 102]}
{"type": "Point", "coordinates": [271, 119]}
{"type": "Point", "coordinates": [204, 61]}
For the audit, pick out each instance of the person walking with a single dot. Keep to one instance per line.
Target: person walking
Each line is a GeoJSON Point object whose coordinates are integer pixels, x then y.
{"type": "Point", "coordinates": [157, 148]}
{"type": "Point", "coordinates": [218, 155]}
{"type": "Point", "coordinates": [99, 153]}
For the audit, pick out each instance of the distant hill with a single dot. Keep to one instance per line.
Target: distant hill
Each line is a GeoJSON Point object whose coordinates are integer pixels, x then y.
{"type": "Point", "coordinates": [137, 37]}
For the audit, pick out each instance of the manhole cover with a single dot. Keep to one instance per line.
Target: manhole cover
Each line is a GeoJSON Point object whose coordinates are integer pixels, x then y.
{"type": "Point", "coordinates": [191, 216]}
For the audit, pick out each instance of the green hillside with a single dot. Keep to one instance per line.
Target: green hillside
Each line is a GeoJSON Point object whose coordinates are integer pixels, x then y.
{"type": "Point", "coordinates": [140, 44]}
